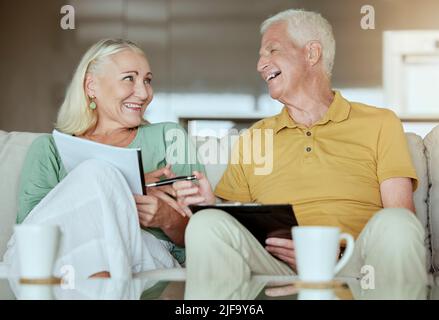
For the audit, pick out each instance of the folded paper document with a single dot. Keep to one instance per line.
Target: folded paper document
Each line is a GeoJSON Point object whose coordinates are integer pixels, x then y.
{"type": "Point", "coordinates": [74, 150]}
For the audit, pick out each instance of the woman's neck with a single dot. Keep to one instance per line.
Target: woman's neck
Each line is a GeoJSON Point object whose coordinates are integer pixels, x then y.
{"type": "Point", "coordinates": [119, 137]}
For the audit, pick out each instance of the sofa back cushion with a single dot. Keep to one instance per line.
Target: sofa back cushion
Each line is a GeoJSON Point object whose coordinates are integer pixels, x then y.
{"type": "Point", "coordinates": [431, 143]}
{"type": "Point", "coordinates": [420, 197]}
{"type": "Point", "coordinates": [13, 148]}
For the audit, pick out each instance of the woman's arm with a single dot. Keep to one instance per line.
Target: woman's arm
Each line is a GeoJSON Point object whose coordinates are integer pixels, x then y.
{"type": "Point", "coordinates": [41, 172]}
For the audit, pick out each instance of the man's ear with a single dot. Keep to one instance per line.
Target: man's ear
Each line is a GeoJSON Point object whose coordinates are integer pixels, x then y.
{"type": "Point", "coordinates": [90, 85]}
{"type": "Point", "coordinates": [314, 52]}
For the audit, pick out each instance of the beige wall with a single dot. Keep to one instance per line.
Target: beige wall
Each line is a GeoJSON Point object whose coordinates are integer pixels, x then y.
{"type": "Point", "coordinates": [33, 73]}
{"type": "Point", "coordinates": [193, 45]}
{"type": "Point", "coordinates": [359, 52]}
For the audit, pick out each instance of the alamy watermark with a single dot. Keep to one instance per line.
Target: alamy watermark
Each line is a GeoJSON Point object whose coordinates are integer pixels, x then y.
{"type": "Point", "coordinates": [367, 281]}
{"type": "Point", "coordinates": [68, 20]}
{"type": "Point", "coordinates": [67, 277]}
{"type": "Point", "coordinates": [367, 21]}
{"type": "Point", "coordinates": [253, 147]}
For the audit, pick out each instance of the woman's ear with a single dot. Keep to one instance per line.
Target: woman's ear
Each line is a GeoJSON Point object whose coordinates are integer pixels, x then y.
{"type": "Point", "coordinates": [90, 85]}
{"type": "Point", "coordinates": [314, 49]}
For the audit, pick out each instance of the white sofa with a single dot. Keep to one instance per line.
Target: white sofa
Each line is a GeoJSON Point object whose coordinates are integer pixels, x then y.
{"type": "Point", "coordinates": [425, 154]}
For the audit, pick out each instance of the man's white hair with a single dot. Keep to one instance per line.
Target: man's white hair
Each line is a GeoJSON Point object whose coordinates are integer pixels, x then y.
{"type": "Point", "coordinates": [304, 26]}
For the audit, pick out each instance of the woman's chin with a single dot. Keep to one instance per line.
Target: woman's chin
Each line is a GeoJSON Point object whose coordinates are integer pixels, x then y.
{"type": "Point", "coordinates": [133, 123]}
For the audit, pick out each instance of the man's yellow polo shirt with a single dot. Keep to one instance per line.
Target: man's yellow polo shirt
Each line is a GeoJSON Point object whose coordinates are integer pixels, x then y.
{"type": "Point", "coordinates": [330, 172]}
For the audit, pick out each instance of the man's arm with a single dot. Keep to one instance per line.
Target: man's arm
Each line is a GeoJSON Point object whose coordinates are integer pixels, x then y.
{"type": "Point", "coordinates": [397, 193]}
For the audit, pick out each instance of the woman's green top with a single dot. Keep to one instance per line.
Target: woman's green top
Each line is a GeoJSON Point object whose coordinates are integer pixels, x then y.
{"type": "Point", "coordinates": [160, 143]}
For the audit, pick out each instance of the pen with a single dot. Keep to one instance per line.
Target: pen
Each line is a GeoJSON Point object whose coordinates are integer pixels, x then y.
{"type": "Point", "coordinates": [170, 181]}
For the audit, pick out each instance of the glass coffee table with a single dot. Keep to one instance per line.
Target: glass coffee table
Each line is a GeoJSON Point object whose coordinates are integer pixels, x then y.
{"type": "Point", "coordinates": [171, 285]}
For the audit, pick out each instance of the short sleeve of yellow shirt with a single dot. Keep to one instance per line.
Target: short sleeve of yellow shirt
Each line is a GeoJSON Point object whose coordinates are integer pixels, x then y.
{"type": "Point", "coordinates": [393, 157]}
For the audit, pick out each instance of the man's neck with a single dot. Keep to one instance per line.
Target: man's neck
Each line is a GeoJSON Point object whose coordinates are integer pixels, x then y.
{"type": "Point", "coordinates": [310, 104]}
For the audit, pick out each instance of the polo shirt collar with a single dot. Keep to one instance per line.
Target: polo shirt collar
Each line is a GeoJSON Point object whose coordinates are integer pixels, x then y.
{"type": "Point", "coordinates": [284, 120]}
{"type": "Point", "coordinates": [338, 111]}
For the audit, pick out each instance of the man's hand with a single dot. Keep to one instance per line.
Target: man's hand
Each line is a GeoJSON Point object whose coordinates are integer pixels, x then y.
{"type": "Point", "coordinates": [282, 249]}
{"type": "Point", "coordinates": [281, 291]}
{"type": "Point", "coordinates": [189, 193]}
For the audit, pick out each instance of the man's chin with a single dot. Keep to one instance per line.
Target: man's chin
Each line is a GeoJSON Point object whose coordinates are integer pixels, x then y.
{"type": "Point", "coordinates": [274, 94]}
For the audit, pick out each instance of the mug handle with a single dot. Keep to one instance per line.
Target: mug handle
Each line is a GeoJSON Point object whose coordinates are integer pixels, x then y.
{"type": "Point", "coordinates": [347, 253]}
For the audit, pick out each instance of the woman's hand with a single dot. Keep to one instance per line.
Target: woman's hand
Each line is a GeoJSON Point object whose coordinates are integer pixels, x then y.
{"type": "Point", "coordinates": [157, 209]}
{"type": "Point", "coordinates": [151, 211]}
{"type": "Point", "coordinates": [155, 175]}
{"type": "Point", "coordinates": [168, 194]}
{"type": "Point", "coordinates": [282, 249]}
{"type": "Point", "coordinates": [189, 193]}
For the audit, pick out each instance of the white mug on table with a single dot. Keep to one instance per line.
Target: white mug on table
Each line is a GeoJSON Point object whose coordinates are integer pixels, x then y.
{"type": "Point", "coordinates": [316, 251]}
{"type": "Point", "coordinates": [37, 250]}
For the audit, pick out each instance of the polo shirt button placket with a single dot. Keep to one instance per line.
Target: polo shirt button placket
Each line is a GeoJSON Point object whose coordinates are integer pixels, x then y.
{"type": "Point", "coordinates": [308, 148]}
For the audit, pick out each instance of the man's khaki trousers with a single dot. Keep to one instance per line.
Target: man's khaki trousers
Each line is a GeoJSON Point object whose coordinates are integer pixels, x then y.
{"type": "Point", "coordinates": [391, 244]}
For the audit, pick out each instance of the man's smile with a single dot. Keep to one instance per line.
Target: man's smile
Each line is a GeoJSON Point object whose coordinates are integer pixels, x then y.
{"type": "Point", "coordinates": [272, 75]}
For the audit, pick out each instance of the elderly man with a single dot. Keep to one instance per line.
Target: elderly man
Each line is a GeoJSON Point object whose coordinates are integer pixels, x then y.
{"type": "Point", "coordinates": [339, 163]}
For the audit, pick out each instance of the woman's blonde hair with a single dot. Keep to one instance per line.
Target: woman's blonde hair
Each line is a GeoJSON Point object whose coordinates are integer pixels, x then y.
{"type": "Point", "coordinates": [74, 115]}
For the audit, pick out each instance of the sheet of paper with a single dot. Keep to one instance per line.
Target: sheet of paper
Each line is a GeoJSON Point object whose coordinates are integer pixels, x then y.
{"type": "Point", "coordinates": [74, 150]}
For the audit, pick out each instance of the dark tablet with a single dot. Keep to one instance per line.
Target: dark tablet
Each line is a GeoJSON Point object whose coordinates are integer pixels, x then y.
{"type": "Point", "coordinates": [263, 221]}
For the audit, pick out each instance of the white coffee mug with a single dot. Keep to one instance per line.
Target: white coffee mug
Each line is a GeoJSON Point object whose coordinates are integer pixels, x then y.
{"type": "Point", "coordinates": [37, 250]}
{"type": "Point", "coordinates": [316, 250]}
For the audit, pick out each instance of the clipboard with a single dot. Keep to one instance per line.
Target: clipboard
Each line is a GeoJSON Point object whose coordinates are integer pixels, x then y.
{"type": "Point", "coordinates": [262, 220]}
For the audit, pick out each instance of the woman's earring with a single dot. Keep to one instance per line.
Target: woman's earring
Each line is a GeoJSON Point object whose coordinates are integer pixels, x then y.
{"type": "Point", "coordinates": [92, 104]}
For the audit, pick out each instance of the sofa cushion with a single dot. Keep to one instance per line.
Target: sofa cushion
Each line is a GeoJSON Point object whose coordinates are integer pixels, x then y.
{"type": "Point", "coordinates": [13, 148]}
{"type": "Point", "coordinates": [431, 143]}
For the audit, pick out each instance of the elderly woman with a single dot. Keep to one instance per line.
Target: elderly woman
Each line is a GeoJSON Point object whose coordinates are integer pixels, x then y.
{"type": "Point", "coordinates": [107, 231]}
